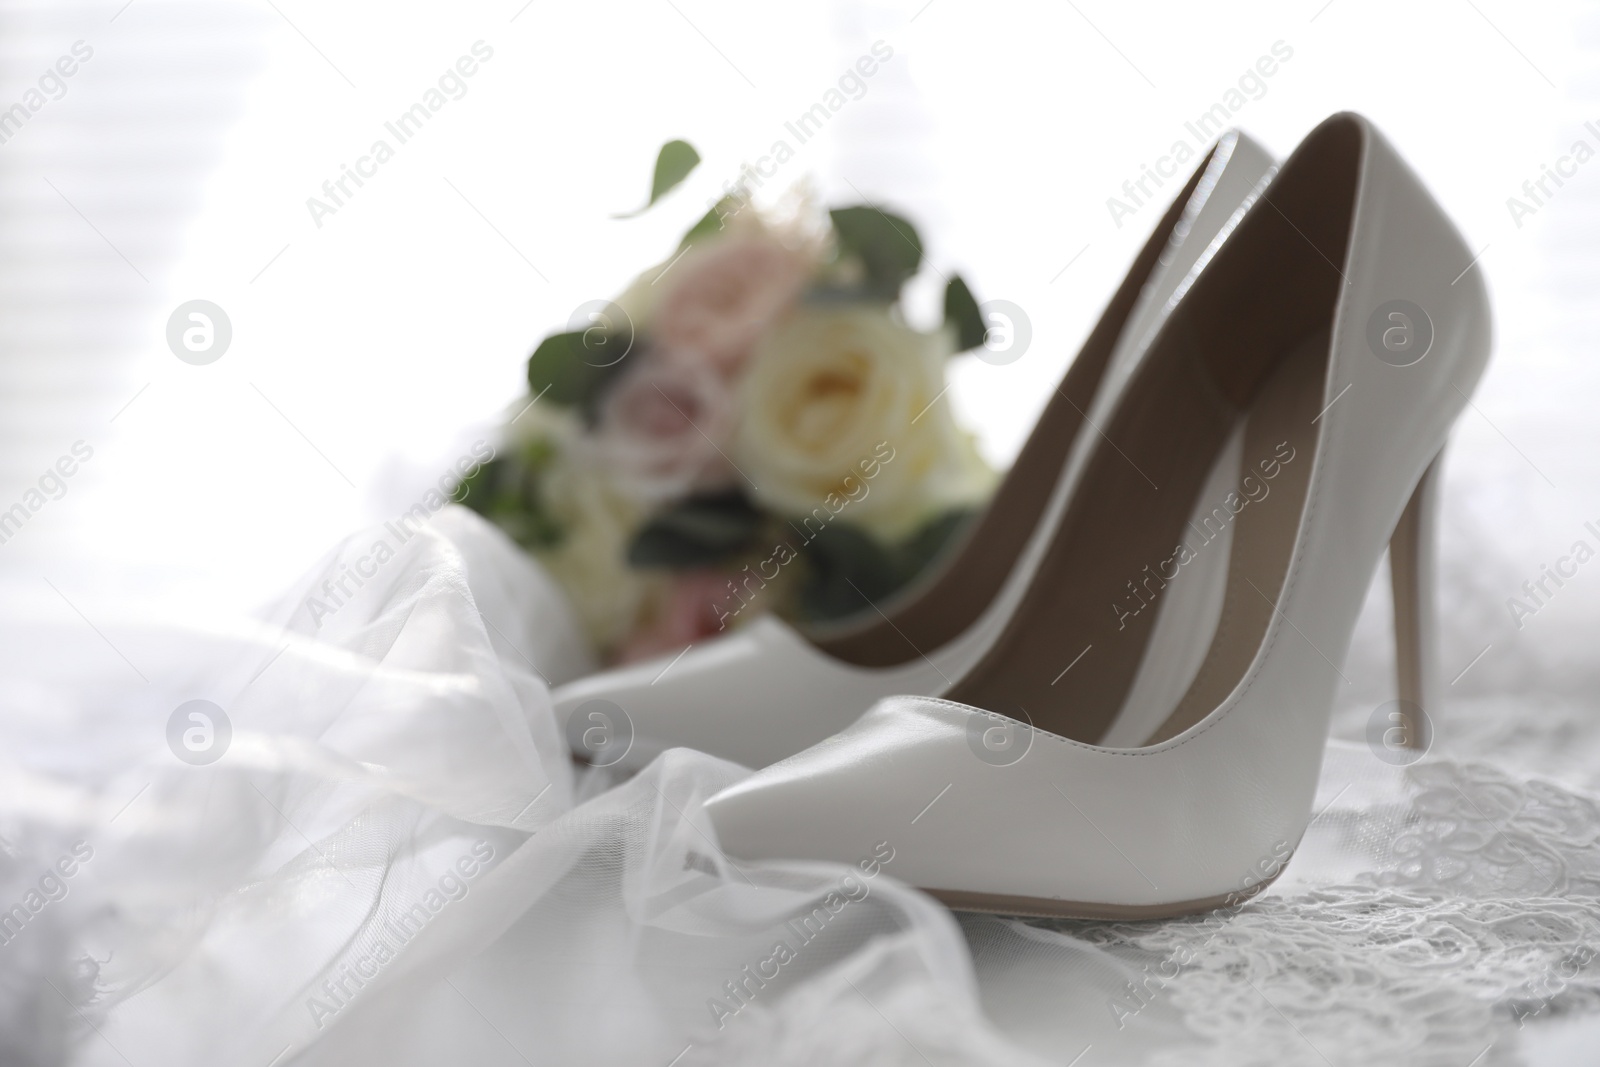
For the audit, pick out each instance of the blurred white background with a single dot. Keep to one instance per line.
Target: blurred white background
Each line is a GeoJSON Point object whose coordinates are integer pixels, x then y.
{"type": "Point", "coordinates": [369, 351]}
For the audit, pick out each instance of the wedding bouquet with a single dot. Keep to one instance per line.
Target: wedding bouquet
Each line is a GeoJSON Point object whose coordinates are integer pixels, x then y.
{"type": "Point", "coordinates": [751, 426]}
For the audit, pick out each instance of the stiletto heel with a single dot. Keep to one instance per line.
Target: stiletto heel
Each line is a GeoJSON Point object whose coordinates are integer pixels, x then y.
{"type": "Point", "coordinates": [1412, 573]}
{"type": "Point", "coordinates": [1340, 283]}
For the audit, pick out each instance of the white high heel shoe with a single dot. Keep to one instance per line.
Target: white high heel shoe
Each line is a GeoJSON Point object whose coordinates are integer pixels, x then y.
{"type": "Point", "coordinates": [767, 691]}
{"type": "Point", "coordinates": [1335, 338]}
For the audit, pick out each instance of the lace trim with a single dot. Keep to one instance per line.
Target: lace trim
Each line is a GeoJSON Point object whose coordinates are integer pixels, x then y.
{"type": "Point", "coordinates": [1481, 915]}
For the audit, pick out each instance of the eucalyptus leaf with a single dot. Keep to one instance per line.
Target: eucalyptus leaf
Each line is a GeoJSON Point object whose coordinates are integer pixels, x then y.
{"type": "Point", "coordinates": [847, 571]}
{"type": "Point", "coordinates": [961, 311]}
{"type": "Point", "coordinates": [712, 221]}
{"type": "Point", "coordinates": [929, 543]}
{"type": "Point", "coordinates": [887, 246]}
{"type": "Point", "coordinates": [697, 532]}
{"type": "Point", "coordinates": [506, 491]}
{"type": "Point", "coordinates": [561, 371]}
{"type": "Point", "coordinates": [673, 164]}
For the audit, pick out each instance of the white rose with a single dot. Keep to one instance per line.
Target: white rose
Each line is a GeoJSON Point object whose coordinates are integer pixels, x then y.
{"type": "Point", "coordinates": [842, 409]}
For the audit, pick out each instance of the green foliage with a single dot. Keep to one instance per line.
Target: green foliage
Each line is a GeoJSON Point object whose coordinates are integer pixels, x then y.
{"type": "Point", "coordinates": [673, 164]}
{"type": "Point", "coordinates": [961, 311]}
{"type": "Point", "coordinates": [924, 547]}
{"type": "Point", "coordinates": [572, 369]}
{"type": "Point", "coordinates": [506, 491]}
{"type": "Point", "coordinates": [697, 532]}
{"type": "Point", "coordinates": [848, 570]}
{"type": "Point", "coordinates": [712, 221]}
{"type": "Point", "coordinates": [886, 245]}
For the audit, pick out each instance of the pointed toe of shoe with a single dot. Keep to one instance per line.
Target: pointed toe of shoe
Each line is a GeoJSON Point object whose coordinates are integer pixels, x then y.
{"type": "Point", "coordinates": [781, 813]}
{"type": "Point", "coordinates": [838, 800]}
{"type": "Point", "coordinates": [1029, 824]}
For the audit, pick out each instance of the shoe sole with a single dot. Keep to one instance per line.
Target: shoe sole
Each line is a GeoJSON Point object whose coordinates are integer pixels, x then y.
{"type": "Point", "coordinates": [1050, 908]}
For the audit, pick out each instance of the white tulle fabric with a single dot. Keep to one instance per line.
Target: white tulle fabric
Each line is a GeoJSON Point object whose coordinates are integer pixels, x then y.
{"type": "Point", "coordinates": [395, 863]}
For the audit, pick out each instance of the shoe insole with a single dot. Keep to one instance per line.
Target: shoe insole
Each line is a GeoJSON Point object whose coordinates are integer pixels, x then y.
{"type": "Point", "coordinates": [1280, 437]}
{"type": "Point", "coordinates": [1186, 594]}
{"type": "Point", "coordinates": [1078, 656]}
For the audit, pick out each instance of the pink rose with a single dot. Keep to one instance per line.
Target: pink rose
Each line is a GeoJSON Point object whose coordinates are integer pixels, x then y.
{"type": "Point", "coordinates": [689, 612]}
{"type": "Point", "coordinates": [662, 428]}
{"type": "Point", "coordinates": [724, 295]}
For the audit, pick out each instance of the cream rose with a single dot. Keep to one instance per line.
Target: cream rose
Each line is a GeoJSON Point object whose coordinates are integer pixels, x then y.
{"type": "Point", "coordinates": [842, 409]}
